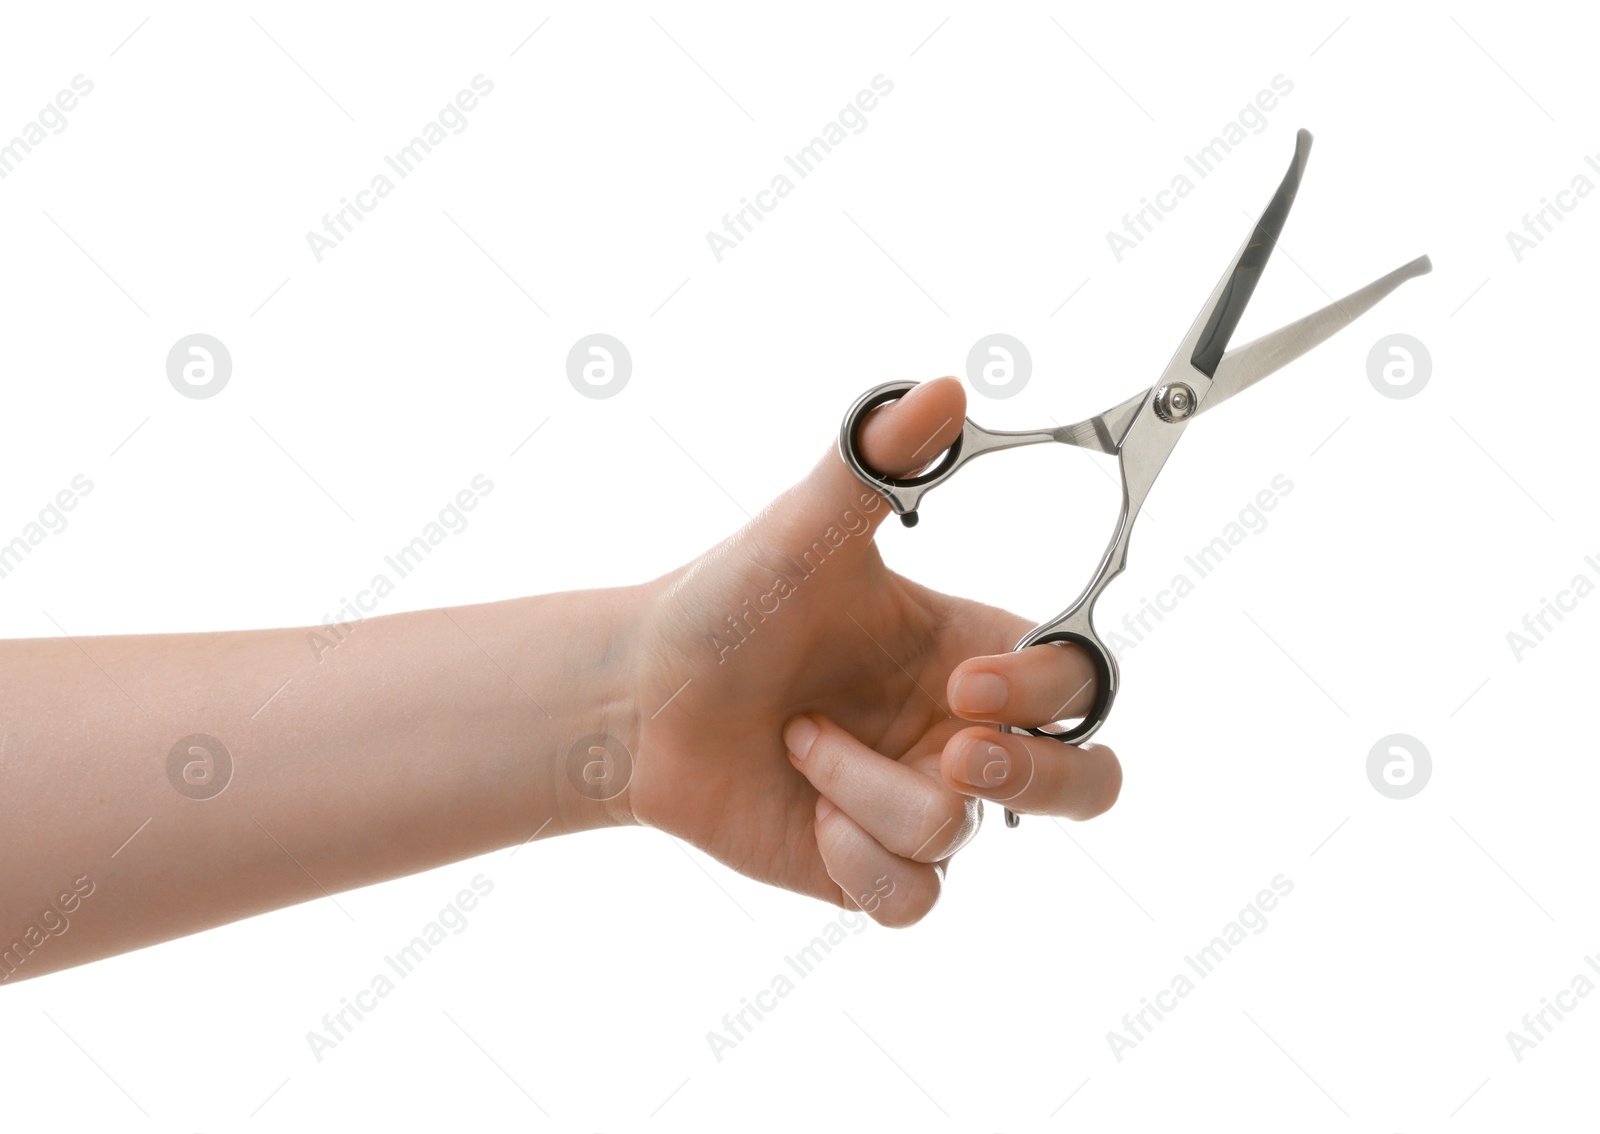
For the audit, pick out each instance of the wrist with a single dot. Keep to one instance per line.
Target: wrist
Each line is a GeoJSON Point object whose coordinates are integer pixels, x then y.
{"type": "Point", "coordinates": [581, 647]}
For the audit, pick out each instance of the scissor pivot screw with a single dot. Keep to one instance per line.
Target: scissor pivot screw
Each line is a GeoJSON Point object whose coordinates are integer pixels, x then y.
{"type": "Point", "coordinates": [1174, 402]}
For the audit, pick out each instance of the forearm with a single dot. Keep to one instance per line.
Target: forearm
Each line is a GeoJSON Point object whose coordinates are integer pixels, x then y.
{"type": "Point", "coordinates": [361, 754]}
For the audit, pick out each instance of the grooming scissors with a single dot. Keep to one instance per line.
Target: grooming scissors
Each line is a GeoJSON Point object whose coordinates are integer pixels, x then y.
{"type": "Point", "coordinates": [1142, 431]}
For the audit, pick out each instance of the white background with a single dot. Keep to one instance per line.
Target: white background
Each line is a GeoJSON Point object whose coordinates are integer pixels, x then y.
{"type": "Point", "coordinates": [1377, 600]}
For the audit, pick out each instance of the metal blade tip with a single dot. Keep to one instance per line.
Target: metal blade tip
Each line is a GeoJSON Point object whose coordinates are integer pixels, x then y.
{"type": "Point", "coordinates": [1302, 151]}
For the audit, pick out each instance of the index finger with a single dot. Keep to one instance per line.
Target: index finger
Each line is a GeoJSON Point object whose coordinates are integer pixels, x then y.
{"type": "Point", "coordinates": [1028, 688]}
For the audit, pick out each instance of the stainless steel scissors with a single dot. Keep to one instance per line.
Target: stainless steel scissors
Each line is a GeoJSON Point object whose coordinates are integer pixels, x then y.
{"type": "Point", "coordinates": [1141, 431]}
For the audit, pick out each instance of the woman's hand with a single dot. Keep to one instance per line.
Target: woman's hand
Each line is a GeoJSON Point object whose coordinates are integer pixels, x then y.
{"type": "Point", "coordinates": [817, 734]}
{"type": "Point", "coordinates": [790, 704]}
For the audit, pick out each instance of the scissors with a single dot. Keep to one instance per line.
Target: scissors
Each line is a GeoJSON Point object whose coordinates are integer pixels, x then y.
{"type": "Point", "coordinates": [1141, 431]}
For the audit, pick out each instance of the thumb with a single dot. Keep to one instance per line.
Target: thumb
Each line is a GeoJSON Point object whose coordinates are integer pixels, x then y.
{"type": "Point", "coordinates": [902, 436]}
{"type": "Point", "coordinates": [896, 439]}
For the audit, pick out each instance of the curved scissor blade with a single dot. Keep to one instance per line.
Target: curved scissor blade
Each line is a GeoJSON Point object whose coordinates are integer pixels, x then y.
{"type": "Point", "coordinates": [1226, 306]}
{"type": "Point", "coordinates": [1244, 366]}
{"type": "Point", "coordinates": [1202, 348]}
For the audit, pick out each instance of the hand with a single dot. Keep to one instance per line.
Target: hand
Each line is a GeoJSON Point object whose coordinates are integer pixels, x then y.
{"type": "Point", "coordinates": [791, 706]}
{"type": "Point", "coordinates": [822, 742]}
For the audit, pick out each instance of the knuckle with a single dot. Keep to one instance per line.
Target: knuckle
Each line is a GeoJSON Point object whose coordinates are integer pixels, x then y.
{"type": "Point", "coordinates": [911, 900]}
{"type": "Point", "coordinates": [1095, 782]}
{"type": "Point", "coordinates": [939, 825]}
{"type": "Point", "coordinates": [1111, 790]}
{"type": "Point", "coordinates": [1024, 772]}
{"type": "Point", "coordinates": [825, 765]}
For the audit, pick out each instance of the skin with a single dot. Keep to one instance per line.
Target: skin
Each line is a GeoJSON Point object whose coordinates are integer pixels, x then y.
{"type": "Point", "coordinates": [823, 740]}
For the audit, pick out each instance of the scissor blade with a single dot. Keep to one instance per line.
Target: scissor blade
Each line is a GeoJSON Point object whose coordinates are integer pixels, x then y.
{"type": "Point", "coordinates": [1244, 366]}
{"type": "Point", "coordinates": [1227, 304]}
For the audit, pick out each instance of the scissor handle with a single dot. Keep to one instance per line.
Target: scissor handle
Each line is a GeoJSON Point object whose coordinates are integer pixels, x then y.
{"type": "Point", "coordinates": [1106, 678]}
{"type": "Point", "coordinates": [1106, 675]}
{"type": "Point", "coordinates": [902, 493]}
{"type": "Point", "coordinates": [1075, 624]}
{"type": "Point", "coordinates": [905, 493]}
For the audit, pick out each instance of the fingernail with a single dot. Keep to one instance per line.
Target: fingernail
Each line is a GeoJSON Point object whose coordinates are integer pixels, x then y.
{"type": "Point", "coordinates": [981, 693]}
{"type": "Point", "coordinates": [800, 734]}
{"type": "Point", "coordinates": [825, 807]}
{"type": "Point", "coordinates": [982, 764]}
